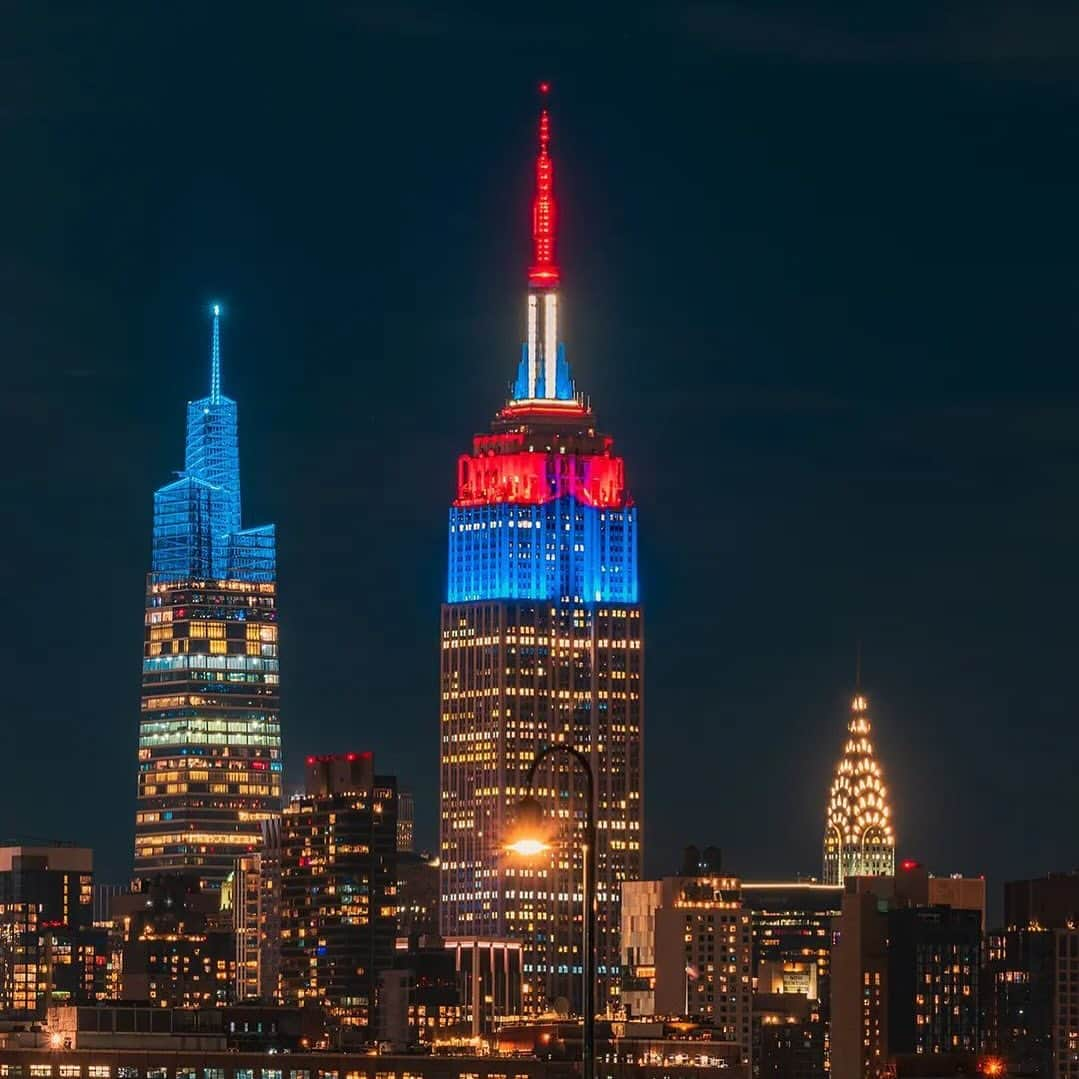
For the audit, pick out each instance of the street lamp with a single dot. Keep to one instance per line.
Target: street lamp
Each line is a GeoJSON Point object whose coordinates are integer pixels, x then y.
{"type": "Point", "coordinates": [531, 841]}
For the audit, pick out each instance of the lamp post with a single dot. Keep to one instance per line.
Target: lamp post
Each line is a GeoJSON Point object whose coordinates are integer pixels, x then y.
{"type": "Point", "coordinates": [530, 842]}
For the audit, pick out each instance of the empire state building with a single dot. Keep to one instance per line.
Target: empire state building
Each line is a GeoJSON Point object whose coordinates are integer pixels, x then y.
{"type": "Point", "coordinates": [542, 641]}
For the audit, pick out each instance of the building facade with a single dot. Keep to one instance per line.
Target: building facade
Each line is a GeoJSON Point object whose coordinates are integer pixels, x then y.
{"type": "Point", "coordinates": [1032, 978]}
{"type": "Point", "coordinates": [50, 952]}
{"type": "Point", "coordinates": [253, 895]}
{"type": "Point", "coordinates": [541, 642]}
{"type": "Point", "coordinates": [859, 832]}
{"type": "Point", "coordinates": [694, 937]}
{"type": "Point", "coordinates": [792, 950]}
{"type": "Point", "coordinates": [905, 976]}
{"type": "Point", "coordinates": [338, 888]}
{"type": "Point", "coordinates": [175, 948]}
{"type": "Point", "coordinates": [209, 758]}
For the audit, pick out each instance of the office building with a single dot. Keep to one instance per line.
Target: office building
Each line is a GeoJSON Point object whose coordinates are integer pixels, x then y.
{"type": "Point", "coordinates": [541, 642]}
{"type": "Point", "coordinates": [175, 948]}
{"type": "Point", "coordinates": [792, 932]}
{"type": "Point", "coordinates": [1031, 978]}
{"type": "Point", "coordinates": [791, 923]}
{"type": "Point", "coordinates": [209, 758]}
{"type": "Point", "coordinates": [788, 1037]}
{"type": "Point", "coordinates": [252, 894]}
{"type": "Point", "coordinates": [50, 952]}
{"type": "Point", "coordinates": [905, 976]}
{"type": "Point", "coordinates": [338, 888]}
{"type": "Point", "coordinates": [687, 951]}
{"type": "Point", "coordinates": [859, 832]}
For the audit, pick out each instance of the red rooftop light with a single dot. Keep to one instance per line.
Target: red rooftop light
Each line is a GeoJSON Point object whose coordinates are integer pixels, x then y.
{"type": "Point", "coordinates": [908, 864]}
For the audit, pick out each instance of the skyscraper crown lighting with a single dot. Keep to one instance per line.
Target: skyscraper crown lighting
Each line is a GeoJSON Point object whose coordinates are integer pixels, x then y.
{"type": "Point", "coordinates": [859, 838]}
{"type": "Point", "coordinates": [197, 529]}
{"type": "Point", "coordinates": [542, 508]}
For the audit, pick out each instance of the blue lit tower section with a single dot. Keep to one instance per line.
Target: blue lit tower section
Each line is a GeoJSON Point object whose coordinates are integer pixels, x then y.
{"type": "Point", "coordinates": [197, 516]}
{"type": "Point", "coordinates": [209, 770]}
{"type": "Point", "coordinates": [541, 641]}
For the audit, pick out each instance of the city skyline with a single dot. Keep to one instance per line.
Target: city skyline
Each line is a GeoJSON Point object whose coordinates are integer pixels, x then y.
{"type": "Point", "coordinates": [892, 466]}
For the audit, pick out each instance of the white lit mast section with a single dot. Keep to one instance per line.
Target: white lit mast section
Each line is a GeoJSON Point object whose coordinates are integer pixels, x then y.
{"type": "Point", "coordinates": [533, 342]}
{"type": "Point", "coordinates": [550, 344]}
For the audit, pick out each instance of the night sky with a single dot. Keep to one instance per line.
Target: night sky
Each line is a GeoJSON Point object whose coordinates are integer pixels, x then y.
{"type": "Point", "coordinates": [821, 282]}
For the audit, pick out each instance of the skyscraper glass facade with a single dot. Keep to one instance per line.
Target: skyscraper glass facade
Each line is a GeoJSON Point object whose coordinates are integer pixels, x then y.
{"type": "Point", "coordinates": [209, 768]}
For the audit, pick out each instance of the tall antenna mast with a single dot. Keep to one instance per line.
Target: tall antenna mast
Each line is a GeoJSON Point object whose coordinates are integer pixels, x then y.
{"type": "Point", "coordinates": [215, 356]}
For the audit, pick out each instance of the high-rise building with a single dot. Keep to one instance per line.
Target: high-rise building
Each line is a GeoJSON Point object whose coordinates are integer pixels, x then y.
{"type": "Point", "coordinates": [209, 762]}
{"type": "Point", "coordinates": [50, 953]}
{"type": "Point", "coordinates": [252, 893]}
{"type": "Point", "coordinates": [176, 949]}
{"type": "Point", "coordinates": [1032, 974]}
{"type": "Point", "coordinates": [792, 931]}
{"type": "Point", "coordinates": [859, 835]}
{"type": "Point", "coordinates": [338, 885]}
{"type": "Point", "coordinates": [792, 949]}
{"type": "Point", "coordinates": [541, 642]}
{"type": "Point", "coordinates": [687, 942]}
{"type": "Point", "coordinates": [905, 975]}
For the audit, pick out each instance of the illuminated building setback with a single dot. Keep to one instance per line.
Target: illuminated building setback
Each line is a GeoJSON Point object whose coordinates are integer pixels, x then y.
{"type": "Point", "coordinates": [859, 835]}
{"type": "Point", "coordinates": [209, 760]}
{"type": "Point", "coordinates": [541, 642]}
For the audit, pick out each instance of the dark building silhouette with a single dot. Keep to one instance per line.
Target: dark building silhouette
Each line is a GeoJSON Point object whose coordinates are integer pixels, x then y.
{"type": "Point", "coordinates": [338, 885]}
{"type": "Point", "coordinates": [417, 895]}
{"type": "Point", "coordinates": [49, 951]}
{"type": "Point", "coordinates": [905, 975]}
{"type": "Point", "coordinates": [1051, 901]}
{"type": "Point", "coordinates": [176, 950]}
{"type": "Point", "coordinates": [1032, 978]}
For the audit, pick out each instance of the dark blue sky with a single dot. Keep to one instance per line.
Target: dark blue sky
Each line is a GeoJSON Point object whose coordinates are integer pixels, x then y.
{"type": "Point", "coordinates": [821, 283]}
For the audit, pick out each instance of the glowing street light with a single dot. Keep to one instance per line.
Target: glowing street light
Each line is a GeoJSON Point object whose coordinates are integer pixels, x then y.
{"type": "Point", "coordinates": [531, 841]}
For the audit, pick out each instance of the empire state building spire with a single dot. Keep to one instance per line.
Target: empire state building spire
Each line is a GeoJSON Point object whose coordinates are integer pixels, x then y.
{"type": "Point", "coordinates": [543, 272]}
{"type": "Point", "coordinates": [543, 376]}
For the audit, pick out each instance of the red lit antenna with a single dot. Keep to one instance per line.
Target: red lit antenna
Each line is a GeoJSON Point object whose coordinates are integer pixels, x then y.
{"type": "Point", "coordinates": [543, 273]}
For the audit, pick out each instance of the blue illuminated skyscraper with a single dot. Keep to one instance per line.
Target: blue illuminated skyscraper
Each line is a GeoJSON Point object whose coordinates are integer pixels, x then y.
{"type": "Point", "coordinates": [209, 737]}
{"type": "Point", "coordinates": [197, 517]}
{"type": "Point", "coordinates": [542, 642]}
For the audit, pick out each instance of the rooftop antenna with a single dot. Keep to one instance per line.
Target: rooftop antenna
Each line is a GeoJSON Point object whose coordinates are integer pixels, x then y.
{"type": "Point", "coordinates": [858, 667]}
{"type": "Point", "coordinates": [215, 356]}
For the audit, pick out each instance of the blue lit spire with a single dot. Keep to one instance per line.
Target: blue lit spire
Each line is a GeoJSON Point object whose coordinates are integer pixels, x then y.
{"type": "Point", "coordinates": [215, 358]}
{"type": "Point", "coordinates": [197, 520]}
